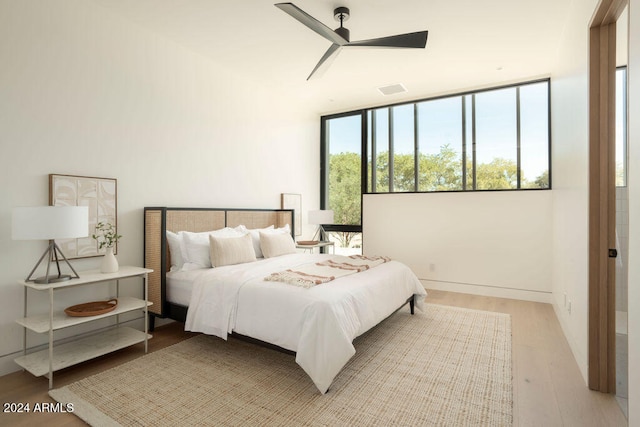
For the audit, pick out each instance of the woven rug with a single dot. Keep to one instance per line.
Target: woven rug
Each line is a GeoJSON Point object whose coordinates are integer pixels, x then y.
{"type": "Point", "coordinates": [448, 366]}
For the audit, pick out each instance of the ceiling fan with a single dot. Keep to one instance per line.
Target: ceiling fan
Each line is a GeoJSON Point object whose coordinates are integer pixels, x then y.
{"type": "Point", "coordinates": [340, 36]}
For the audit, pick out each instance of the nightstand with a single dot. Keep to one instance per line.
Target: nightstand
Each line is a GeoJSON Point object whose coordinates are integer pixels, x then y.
{"type": "Point", "coordinates": [61, 356]}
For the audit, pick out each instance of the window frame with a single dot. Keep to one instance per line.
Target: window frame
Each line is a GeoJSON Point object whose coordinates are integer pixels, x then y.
{"type": "Point", "coordinates": [324, 168]}
{"type": "Point", "coordinates": [465, 143]}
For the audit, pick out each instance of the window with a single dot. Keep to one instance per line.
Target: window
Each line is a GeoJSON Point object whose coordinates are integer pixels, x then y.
{"type": "Point", "coordinates": [404, 152]}
{"type": "Point", "coordinates": [378, 147]}
{"type": "Point", "coordinates": [440, 144]}
{"type": "Point", "coordinates": [534, 135]}
{"type": "Point", "coordinates": [495, 139]}
{"type": "Point", "coordinates": [342, 179]}
{"type": "Point", "coordinates": [621, 127]}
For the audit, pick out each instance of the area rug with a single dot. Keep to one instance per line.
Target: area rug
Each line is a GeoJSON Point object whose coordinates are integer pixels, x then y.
{"type": "Point", "coordinates": [446, 366]}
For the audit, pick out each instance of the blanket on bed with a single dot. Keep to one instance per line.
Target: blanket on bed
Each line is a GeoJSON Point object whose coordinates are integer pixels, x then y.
{"type": "Point", "coordinates": [319, 323]}
{"type": "Point", "coordinates": [312, 274]}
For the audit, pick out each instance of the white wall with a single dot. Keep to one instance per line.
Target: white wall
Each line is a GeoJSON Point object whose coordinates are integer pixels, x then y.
{"type": "Point", "coordinates": [488, 243]}
{"type": "Point", "coordinates": [83, 92]}
{"type": "Point", "coordinates": [570, 142]}
{"type": "Point", "coordinates": [570, 214]}
{"type": "Point", "coordinates": [634, 213]}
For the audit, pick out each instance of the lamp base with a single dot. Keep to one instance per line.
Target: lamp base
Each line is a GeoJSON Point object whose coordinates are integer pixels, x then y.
{"type": "Point", "coordinates": [51, 255]}
{"type": "Point", "coordinates": [52, 279]}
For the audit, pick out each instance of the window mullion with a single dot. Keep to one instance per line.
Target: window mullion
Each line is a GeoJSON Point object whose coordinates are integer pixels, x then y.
{"type": "Point", "coordinates": [374, 151]}
{"type": "Point", "coordinates": [518, 137]}
{"type": "Point", "coordinates": [324, 164]}
{"type": "Point", "coordinates": [416, 148]}
{"type": "Point", "coordinates": [474, 162]}
{"type": "Point", "coordinates": [364, 175]}
{"type": "Point", "coordinates": [391, 155]}
{"type": "Point", "coordinates": [464, 143]}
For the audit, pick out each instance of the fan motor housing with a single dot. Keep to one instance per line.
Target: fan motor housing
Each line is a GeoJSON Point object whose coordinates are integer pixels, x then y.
{"type": "Point", "coordinates": [343, 32]}
{"type": "Point", "coordinates": [341, 14]}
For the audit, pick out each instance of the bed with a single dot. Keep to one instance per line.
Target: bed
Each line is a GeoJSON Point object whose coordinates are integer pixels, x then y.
{"type": "Point", "coordinates": [316, 323]}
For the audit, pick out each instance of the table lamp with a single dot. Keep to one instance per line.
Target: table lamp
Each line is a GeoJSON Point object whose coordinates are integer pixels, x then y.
{"type": "Point", "coordinates": [320, 217]}
{"type": "Point", "coordinates": [49, 223]}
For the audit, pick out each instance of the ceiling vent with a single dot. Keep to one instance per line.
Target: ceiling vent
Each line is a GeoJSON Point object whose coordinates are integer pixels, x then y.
{"type": "Point", "coordinates": [392, 89]}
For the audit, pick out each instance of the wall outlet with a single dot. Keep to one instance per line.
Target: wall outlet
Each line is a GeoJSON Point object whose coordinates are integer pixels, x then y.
{"type": "Point", "coordinates": [432, 267]}
{"type": "Point", "coordinates": [569, 306]}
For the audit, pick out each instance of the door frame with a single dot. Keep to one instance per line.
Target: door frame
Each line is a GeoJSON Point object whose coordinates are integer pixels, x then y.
{"type": "Point", "coordinates": [602, 195]}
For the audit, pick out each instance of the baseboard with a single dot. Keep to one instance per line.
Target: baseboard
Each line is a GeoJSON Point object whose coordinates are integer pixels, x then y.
{"type": "Point", "coordinates": [489, 291]}
{"type": "Point", "coordinates": [7, 365]}
{"type": "Point", "coordinates": [579, 355]}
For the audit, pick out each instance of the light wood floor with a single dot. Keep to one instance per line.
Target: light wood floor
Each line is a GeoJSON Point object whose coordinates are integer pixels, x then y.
{"type": "Point", "coordinates": [548, 388]}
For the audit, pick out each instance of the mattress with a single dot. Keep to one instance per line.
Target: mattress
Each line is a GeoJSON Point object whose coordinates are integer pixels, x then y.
{"type": "Point", "coordinates": [180, 285]}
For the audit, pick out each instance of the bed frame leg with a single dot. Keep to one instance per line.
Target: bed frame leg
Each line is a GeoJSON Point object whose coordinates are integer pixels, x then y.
{"type": "Point", "coordinates": [412, 304]}
{"type": "Point", "coordinates": [152, 322]}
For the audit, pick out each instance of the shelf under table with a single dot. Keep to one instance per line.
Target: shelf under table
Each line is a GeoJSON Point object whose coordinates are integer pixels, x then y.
{"type": "Point", "coordinates": [71, 353]}
{"type": "Point", "coordinates": [40, 323]}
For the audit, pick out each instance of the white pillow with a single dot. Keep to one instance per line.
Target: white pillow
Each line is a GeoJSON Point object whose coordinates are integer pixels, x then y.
{"type": "Point", "coordinates": [175, 249]}
{"type": "Point", "coordinates": [286, 229]}
{"type": "Point", "coordinates": [231, 250]}
{"type": "Point", "coordinates": [255, 238]}
{"type": "Point", "coordinates": [276, 244]}
{"type": "Point", "coordinates": [282, 230]}
{"type": "Point", "coordinates": [196, 247]}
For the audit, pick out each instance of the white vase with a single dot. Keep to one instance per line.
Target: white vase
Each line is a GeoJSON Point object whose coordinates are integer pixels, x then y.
{"type": "Point", "coordinates": [109, 262]}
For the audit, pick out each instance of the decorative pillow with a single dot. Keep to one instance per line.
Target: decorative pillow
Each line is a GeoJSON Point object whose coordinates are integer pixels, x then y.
{"type": "Point", "coordinates": [175, 250]}
{"type": "Point", "coordinates": [276, 244]}
{"type": "Point", "coordinates": [196, 247]}
{"type": "Point", "coordinates": [231, 250]}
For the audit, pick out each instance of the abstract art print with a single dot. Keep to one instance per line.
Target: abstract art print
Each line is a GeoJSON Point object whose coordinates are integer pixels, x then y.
{"type": "Point", "coordinates": [99, 194]}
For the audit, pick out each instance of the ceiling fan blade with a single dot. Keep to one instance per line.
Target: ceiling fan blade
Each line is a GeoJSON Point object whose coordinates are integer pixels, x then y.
{"type": "Point", "coordinates": [325, 61]}
{"type": "Point", "coordinates": [409, 40]}
{"type": "Point", "coordinates": [312, 23]}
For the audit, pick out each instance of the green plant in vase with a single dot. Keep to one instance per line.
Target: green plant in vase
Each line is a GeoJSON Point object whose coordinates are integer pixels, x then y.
{"type": "Point", "coordinates": [107, 237]}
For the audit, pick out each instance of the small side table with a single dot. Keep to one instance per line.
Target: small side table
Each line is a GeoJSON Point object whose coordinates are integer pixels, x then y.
{"type": "Point", "coordinates": [46, 361]}
{"type": "Point", "coordinates": [318, 245]}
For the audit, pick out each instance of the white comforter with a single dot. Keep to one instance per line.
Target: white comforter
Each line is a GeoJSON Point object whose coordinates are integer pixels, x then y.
{"type": "Point", "coordinates": [319, 323]}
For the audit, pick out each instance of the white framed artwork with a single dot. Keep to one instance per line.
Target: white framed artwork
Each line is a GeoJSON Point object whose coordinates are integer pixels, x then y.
{"type": "Point", "coordinates": [99, 195]}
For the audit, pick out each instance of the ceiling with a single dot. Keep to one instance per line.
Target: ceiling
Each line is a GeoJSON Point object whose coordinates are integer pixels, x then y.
{"type": "Point", "coordinates": [471, 44]}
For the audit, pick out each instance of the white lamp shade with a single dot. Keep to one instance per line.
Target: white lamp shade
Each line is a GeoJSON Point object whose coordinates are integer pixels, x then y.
{"type": "Point", "coordinates": [50, 222]}
{"type": "Point", "coordinates": [321, 217]}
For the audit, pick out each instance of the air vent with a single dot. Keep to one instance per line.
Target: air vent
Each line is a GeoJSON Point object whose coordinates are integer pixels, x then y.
{"type": "Point", "coordinates": [392, 89]}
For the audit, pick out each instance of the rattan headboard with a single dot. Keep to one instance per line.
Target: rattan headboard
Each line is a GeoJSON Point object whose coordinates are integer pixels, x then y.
{"type": "Point", "coordinates": [157, 220]}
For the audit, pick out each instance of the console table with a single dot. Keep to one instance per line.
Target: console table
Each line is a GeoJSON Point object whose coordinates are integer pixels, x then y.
{"type": "Point", "coordinates": [61, 356]}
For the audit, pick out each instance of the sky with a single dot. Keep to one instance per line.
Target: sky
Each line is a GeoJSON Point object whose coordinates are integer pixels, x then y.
{"type": "Point", "coordinates": [440, 123]}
